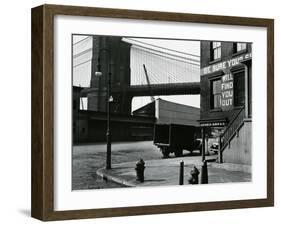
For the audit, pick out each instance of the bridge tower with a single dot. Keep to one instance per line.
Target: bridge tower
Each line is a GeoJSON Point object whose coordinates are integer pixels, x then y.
{"type": "Point", "coordinates": [114, 50]}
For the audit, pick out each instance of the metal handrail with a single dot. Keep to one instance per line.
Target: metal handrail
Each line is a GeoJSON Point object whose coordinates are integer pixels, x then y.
{"type": "Point", "coordinates": [232, 128]}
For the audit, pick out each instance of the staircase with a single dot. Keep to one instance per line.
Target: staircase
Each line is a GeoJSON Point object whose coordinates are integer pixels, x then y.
{"type": "Point", "coordinates": [232, 129]}
{"type": "Point", "coordinates": [236, 141]}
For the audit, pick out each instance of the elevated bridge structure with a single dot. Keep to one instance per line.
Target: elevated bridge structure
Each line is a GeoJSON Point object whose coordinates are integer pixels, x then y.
{"type": "Point", "coordinates": [170, 72]}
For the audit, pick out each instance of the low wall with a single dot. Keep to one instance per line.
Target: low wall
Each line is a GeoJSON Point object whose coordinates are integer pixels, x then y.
{"type": "Point", "coordinates": [240, 149]}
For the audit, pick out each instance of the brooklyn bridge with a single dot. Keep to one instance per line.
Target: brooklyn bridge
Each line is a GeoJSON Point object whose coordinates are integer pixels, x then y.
{"type": "Point", "coordinates": [136, 67]}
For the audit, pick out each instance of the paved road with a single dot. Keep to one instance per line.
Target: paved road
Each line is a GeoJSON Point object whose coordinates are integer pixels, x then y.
{"type": "Point", "coordinates": [88, 158]}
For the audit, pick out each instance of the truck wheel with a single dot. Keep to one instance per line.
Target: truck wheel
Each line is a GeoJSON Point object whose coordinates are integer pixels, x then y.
{"type": "Point", "coordinates": [165, 152]}
{"type": "Point", "coordinates": [178, 152]}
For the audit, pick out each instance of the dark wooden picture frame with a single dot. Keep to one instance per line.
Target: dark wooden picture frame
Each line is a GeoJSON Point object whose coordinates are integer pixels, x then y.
{"type": "Point", "coordinates": [43, 120]}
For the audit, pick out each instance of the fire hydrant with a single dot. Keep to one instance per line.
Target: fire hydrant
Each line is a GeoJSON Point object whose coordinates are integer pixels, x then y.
{"type": "Point", "coordinates": [194, 176]}
{"type": "Point", "coordinates": [140, 170]}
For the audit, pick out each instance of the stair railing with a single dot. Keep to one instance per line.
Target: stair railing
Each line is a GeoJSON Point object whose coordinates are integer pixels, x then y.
{"type": "Point", "coordinates": [232, 128]}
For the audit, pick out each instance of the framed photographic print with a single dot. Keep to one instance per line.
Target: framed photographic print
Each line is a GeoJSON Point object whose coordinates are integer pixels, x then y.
{"type": "Point", "coordinates": [141, 112]}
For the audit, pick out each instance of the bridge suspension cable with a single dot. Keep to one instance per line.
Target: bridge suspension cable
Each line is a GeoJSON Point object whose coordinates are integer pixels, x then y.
{"type": "Point", "coordinates": [162, 67]}
{"type": "Point", "coordinates": [161, 47]}
{"type": "Point", "coordinates": [167, 54]}
{"type": "Point", "coordinates": [82, 60]}
{"type": "Point", "coordinates": [82, 40]}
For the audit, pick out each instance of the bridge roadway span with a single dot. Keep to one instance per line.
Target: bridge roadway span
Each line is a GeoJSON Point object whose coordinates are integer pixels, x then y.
{"type": "Point", "coordinates": [190, 88]}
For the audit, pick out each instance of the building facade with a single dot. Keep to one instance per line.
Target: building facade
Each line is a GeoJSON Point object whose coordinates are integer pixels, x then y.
{"type": "Point", "coordinates": [79, 124]}
{"type": "Point", "coordinates": [90, 126]}
{"type": "Point", "coordinates": [226, 98]}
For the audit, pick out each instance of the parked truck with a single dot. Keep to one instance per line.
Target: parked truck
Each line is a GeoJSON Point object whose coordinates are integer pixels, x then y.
{"type": "Point", "coordinates": [174, 138]}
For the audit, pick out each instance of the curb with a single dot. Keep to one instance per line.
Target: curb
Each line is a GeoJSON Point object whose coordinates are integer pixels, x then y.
{"type": "Point", "coordinates": [101, 172]}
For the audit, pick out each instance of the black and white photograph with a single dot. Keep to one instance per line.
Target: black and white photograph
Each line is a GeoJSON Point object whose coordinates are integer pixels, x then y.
{"type": "Point", "coordinates": [121, 113]}
{"type": "Point", "coordinates": [160, 112]}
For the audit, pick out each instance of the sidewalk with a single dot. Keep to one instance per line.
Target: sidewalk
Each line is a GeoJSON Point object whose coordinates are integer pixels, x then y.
{"type": "Point", "coordinates": [166, 172]}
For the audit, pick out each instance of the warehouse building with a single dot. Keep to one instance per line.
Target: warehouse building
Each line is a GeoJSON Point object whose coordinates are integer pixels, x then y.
{"type": "Point", "coordinates": [90, 126]}
{"type": "Point", "coordinates": [226, 98]}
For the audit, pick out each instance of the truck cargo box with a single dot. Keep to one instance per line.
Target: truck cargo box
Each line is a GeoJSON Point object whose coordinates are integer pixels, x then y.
{"type": "Point", "coordinates": [174, 138]}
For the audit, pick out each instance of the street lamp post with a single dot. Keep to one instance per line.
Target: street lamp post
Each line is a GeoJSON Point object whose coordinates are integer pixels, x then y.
{"type": "Point", "coordinates": [108, 132]}
{"type": "Point", "coordinates": [98, 73]}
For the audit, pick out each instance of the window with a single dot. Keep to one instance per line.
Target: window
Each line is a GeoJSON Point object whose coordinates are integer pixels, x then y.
{"type": "Point", "coordinates": [83, 103]}
{"type": "Point", "coordinates": [215, 50]}
{"type": "Point", "coordinates": [239, 88]}
{"type": "Point", "coordinates": [239, 46]}
{"type": "Point", "coordinates": [216, 94]}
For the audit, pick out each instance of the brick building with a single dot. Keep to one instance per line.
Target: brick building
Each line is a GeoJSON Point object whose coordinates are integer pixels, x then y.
{"type": "Point", "coordinates": [226, 98]}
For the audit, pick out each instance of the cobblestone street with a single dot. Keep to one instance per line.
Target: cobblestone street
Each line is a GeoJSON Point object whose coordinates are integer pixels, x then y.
{"type": "Point", "coordinates": [88, 158]}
